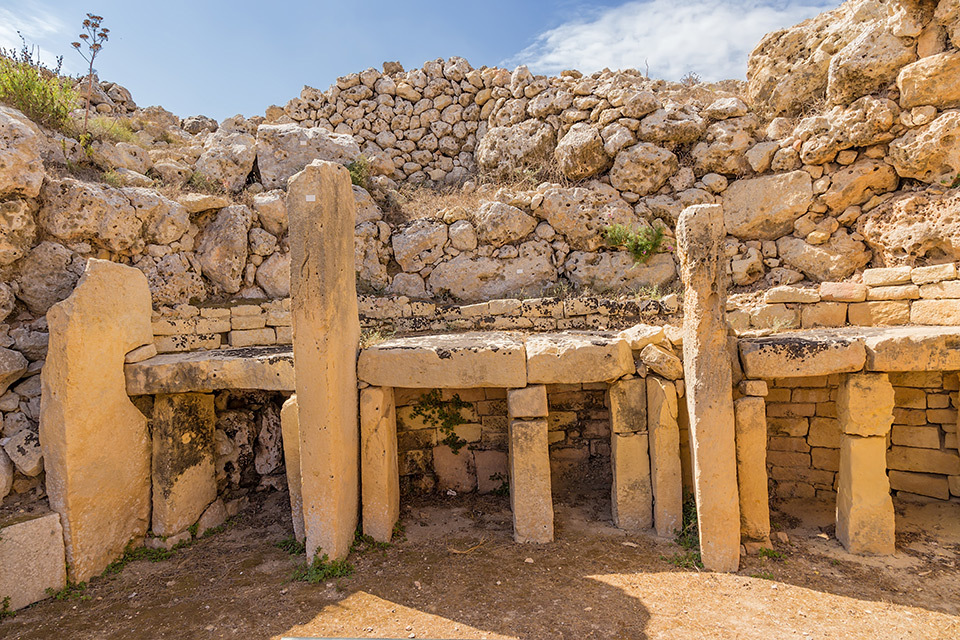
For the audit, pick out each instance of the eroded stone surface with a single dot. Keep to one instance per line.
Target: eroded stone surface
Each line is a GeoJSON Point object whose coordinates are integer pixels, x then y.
{"type": "Point", "coordinates": [577, 357]}
{"type": "Point", "coordinates": [530, 487]}
{"type": "Point", "coordinates": [380, 479]}
{"type": "Point", "coordinates": [800, 355]}
{"type": "Point", "coordinates": [752, 469]}
{"type": "Point", "coordinates": [666, 478]}
{"type": "Point", "coordinates": [266, 368]}
{"type": "Point", "coordinates": [290, 426]}
{"type": "Point", "coordinates": [31, 560]}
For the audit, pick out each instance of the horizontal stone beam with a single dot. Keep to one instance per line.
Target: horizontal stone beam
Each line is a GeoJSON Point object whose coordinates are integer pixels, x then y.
{"type": "Point", "coordinates": [914, 349]}
{"type": "Point", "coordinates": [262, 368]}
{"type": "Point", "coordinates": [576, 357]}
{"type": "Point", "coordinates": [800, 355]}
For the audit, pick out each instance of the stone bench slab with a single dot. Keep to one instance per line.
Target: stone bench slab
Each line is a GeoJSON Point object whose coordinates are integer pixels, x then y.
{"type": "Point", "coordinates": [450, 361]}
{"type": "Point", "coordinates": [801, 354]}
{"type": "Point", "coordinates": [914, 349]}
{"type": "Point", "coordinates": [260, 368]}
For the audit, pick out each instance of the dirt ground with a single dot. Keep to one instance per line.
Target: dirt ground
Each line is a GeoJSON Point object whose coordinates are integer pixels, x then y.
{"type": "Point", "coordinates": [459, 575]}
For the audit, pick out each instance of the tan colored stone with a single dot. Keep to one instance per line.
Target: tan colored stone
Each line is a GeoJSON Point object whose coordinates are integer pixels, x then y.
{"type": "Point", "coordinates": [267, 368]}
{"type": "Point", "coordinates": [865, 404]}
{"type": "Point", "coordinates": [640, 335]}
{"type": "Point", "coordinates": [378, 462]}
{"type": "Point", "coordinates": [455, 470]}
{"type": "Point", "coordinates": [98, 478]}
{"type": "Point", "coordinates": [290, 428]}
{"type": "Point", "coordinates": [924, 484]}
{"type": "Point", "coordinates": [754, 388]}
{"type": "Point", "coordinates": [923, 460]}
{"type": "Point", "coordinates": [665, 468]}
{"type": "Point", "coordinates": [326, 330]}
{"type": "Point", "coordinates": [31, 560]}
{"type": "Point", "coordinates": [530, 487]}
{"type": "Point", "coordinates": [842, 292]}
{"type": "Point", "coordinates": [886, 276]}
{"type": "Point", "coordinates": [709, 387]}
{"type": "Point", "coordinates": [894, 292]}
{"type": "Point", "coordinates": [938, 312]}
{"type": "Point", "coordinates": [212, 517]}
{"type": "Point", "coordinates": [823, 314]}
{"type": "Point", "coordinates": [865, 519]}
{"type": "Point", "coordinates": [789, 293]}
{"type": "Point", "coordinates": [631, 492]}
{"type": "Point", "coordinates": [183, 471]}
{"type": "Point", "coordinates": [528, 402]}
{"type": "Point", "coordinates": [796, 355]}
{"type": "Point", "coordinates": [457, 361]}
{"type": "Point", "coordinates": [662, 362]}
{"type": "Point", "coordinates": [492, 470]}
{"type": "Point", "coordinates": [577, 357]}
{"type": "Point", "coordinates": [878, 313]}
{"type": "Point", "coordinates": [941, 290]}
{"type": "Point", "coordinates": [914, 349]}
{"type": "Point", "coordinates": [627, 400]}
{"type": "Point", "coordinates": [766, 207]}
{"type": "Point", "coordinates": [931, 81]}
{"type": "Point", "coordinates": [752, 469]}
{"type": "Point", "coordinates": [922, 437]}
{"type": "Point", "coordinates": [934, 273]}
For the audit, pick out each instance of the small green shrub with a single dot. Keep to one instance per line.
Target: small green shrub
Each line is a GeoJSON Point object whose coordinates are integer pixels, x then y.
{"type": "Point", "coordinates": [109, 129]}
{"type": "Point", "coordinates": [686, 560]}
{"type": "Point", "coordinates": [504, 488]}
{"type": "Point", "coordinates": [5, 610]}
{"type": "Point", "coordinates": [73, 591]}
{"type": "Point", "coordinates": [322, 569]}
{"type": "Point", "coordinates": [444, 416]}
{"type": "Point", "coordinates": [40, 92]}
{"type": "Point", "coordinates": [199, 182]}
{"type": "Point", "coordinates": [688, 536]}
{"type": "Point", "coordinates": [642, 243]}
{"type": "Point", "coordinates": [363, 543]}
{"type": "Point", "coordinates": [291, 546]}
{"type": "Point", "coordinates": [763, 575]}
{"type": "Point", "coordinates": [113, 179]}
{"type": "Point", "coordinates": [131, 554]}
{"type": "Point", "coordinates": [773, 555]}
{"type": "Point", "coordinates": [359, 171]}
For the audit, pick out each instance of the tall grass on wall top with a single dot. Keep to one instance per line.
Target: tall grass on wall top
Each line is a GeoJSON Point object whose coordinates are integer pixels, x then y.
{"type": "Point", "coordinates": [40, 92]}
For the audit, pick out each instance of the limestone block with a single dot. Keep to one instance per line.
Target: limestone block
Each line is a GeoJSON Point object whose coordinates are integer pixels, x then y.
{"type": "Point", "coordinates": [457, 361]}
{"type": "Point", "coordinates": [709, 384]}
{"type": "Point", "coordinates": [380, 477]}
{"type": "Point", "coordinates": [865, 519]}
{"type": "Point", "coordinates": [665, 471]}
{"type": "Point", "coordinates": [326, 338]}
{"type": "Point", "coordinates": [455, 470]}
{"type": "Point", "coordinates": [627, 400]}
{"type": "Point", "coordinates": [530, 486]}
{"type": "Point", "coordinates": [924, 484]}
{"type": "Point", "coordinates": [577, 357]}
{"type": "Point", "coordinates": [885, 276]}
{"type": "Point", "coordinates": [662, 362]}
{"type": "Point", "coordinates": [492, 470]}
{"type": "Point", "coordinates": [31, 560]}
{"type": "Point", "coordinates": [933, 273]}
{"type": "Point", "coordinates": [528, 402]}
{"type": "Point", "coordinates": [865, 404]}
{"type": "Point", "coordinates": [285, 149]}
{"type": "Point", "coordinates": [823, 314]}
{"type": "Point", "coordinates": [842, 292]}
{"type": "Point", "coordinates": [98, 478]}
{"type": "Point", "coordinates": [631, 493]}
{"type": "Point", "coordinates": [938, 312]}
{"type": "Point", "coordinates": [12, 366]}
{"type": "Point", "coordinates": [23, 449]}
{"type": "Point", "coordinates": [766, 207]}
{"type": "Point", "coordinates": [640, 335]}
{"type": "Point", "coordinates": [914, 349]}
{"type": "Point", "coordinates": [945, 462]}
{"type": "Point", "coordinates": [267, 368]}
{"type": "Point", "coordinates": [798, 355]}
{"type": "Point", "coordinates": [290, 429]}
{"type": "Point", "coordinates": [183, 470]}
{"type": "Point", "coordinates": [212, 517]}
{"type": "Point", "coordinates": [752, 469]}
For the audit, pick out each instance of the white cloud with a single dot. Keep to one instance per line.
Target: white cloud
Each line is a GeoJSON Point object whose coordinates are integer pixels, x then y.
{"type": "Point", "coordinates": [709, 37]}
{"type": "Point", "coordinates": [40, 27]}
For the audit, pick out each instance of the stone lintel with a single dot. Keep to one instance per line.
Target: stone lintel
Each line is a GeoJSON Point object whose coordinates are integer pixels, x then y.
{"type": "Point", "coordinates": [800, 355]}
{"type": "Point", "coordinates": [263, 368]}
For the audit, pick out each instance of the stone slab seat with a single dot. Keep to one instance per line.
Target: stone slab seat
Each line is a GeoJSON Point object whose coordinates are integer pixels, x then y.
{"type": "Point", "coordinates": [260, 368]}
{"type": "Point", "coordinates": [450, 361]}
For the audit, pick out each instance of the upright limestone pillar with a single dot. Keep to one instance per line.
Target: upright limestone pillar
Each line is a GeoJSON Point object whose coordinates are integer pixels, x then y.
{"type": "Point", "coordinates": [865, 519]}
{"type": "Point", "coordinates": [706, 365]}
{"type": "Point", "coordinates": [326, 337]}
{"type": "Point", "coordinates": [752, 470]}
{"type": "Point", "coordinates": [96, 446]}
{"type": "Point", "coordinates": [665, 456]}
{"type": "Point", "coordinates": [290, 428]}
{"type": "Point", "coordinates": [631, 493]}
{"type": "Point", "coordinates": [531, 490]}
{"type": "Point", "coordinates": [380, 486]}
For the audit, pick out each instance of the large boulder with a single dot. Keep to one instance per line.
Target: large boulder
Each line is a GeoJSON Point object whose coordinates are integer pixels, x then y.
{"type": "Point", "coordinates": [929, 153]}
{"type": "Point", "coordinates": [273, 275]}
{"type": "Point", "coordinates": [499, 223]}
{"type": "Point", "coordinates": [914, 227]}
{"type": "Point", "coordinates": [725, 145]}
{"type": "Point", "coordinates": [931, 81]}
{"type": "Point", "coordinates": [673, 124]}
{"type": "Point", "coordinates": [227, 158]}
{"type": "Point", "coordinates": [765, 208]}
{"type": "Point", "coordinates": [284, 149]}
{"type": "Point", "coordinates": [271, 208]}
{"type": "Point", "coordinates": [74, 211]}
{"type": "Point", "coordinates": [370, 256]}
{"type": "Point", "coordinates": [858, 183]}
{"type": "Point", "coordinates": [505, 150]}
{"type": "Point", "coordinates": [21, 168]}
{"type": "Point", "coordinates": [473, 279]}
{"type": "Point", "coordinates": [223, 247]}
{"type": "Point", "coordinates": [580, 153]}
{"type": "Point", "coordinates": [172, 279]}
{"type": "Point", "coordinates": [948, 15]}
{"type": "Point", "coordinates": [419, 244]}
{"type": "Point", "coordinates": [617, 271]}
{"type": "Point", "coordinates": [47, 275]}
{"type": "Point", "coordinates": [864, 123]}
{"type": "Point", "coordinates": [643, 168]}
{"type": "Point", "coordinates": [164, 220]}
{"type": "Point", "coordinates": [836, 259]}
{"type": "Point", "coordinates": [581, 215]}
{"type": "Point", "coordinates": [868, 64]}
{"type": "Point", "coordinates": [18, 230]}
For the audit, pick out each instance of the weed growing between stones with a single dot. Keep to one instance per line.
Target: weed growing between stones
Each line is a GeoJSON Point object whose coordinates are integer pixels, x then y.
{"type": "Point", "coordinates": [371, 337]}
{"type": "Point", "coordinates": [291, 546]}
{"type": "Point", "coordinates": [444, 416]}
{"type": "Point", "coordinates": [688, 537]}
{"type": "Point", "coordinates": [73, 591]}
{"type": "Point", "coordinates": [504, 488]}
{"type": "Point", "coordinates": [40, 92]}
{"type": "Point", "coordinates": [359, 171]}
{"type": "Point", "coordinates": [322, 569]}
{"type": "Point", "coordinates": [772, 554]}
{"type": "Point", "coordinates": [5, 610]}
{"type": "Point", "coordinates": [93, 36]}
{"type": "Point", "coordinates": [642, 243]}
{"type": "Point", "coordinates": [140, 553]}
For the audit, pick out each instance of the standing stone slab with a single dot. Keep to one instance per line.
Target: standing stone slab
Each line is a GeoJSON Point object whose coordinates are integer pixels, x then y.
{"type": "Point", "coordinates": [378, 462]}
{"type": "Point", "coordinates": [752, 469]}
{"type": "Point", "coordinates": [531, 497]}
{"type": "Point", "coordinates": [290, 430]}
{"type": "Point", "coordinates": [528, 402]}
{"type": "Point", "coordinates": [31, 560]}
{"type": "Point", "coordinates": [667, 477]}
{"type": "Point", "coordinates": [627, 400]}
{"type": "Point", "coordinates": [865, 517]}
{"type": "Point", "coordinates": [184, 474]}
{"type": "Point", "coordinates": [96, 447]}
{"type": "Point", "coordinates": [326, 337]}
{"type": "Point", "coordinates": [709, 391]}
{"type": "Point", "coordinates": [631, 493]}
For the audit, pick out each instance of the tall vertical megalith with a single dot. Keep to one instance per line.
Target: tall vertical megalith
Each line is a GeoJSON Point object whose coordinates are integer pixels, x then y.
{"type": "Point", "coordinates": [326, 337]}
{"type": "Point", "coordinates": [290, 428]}
{"type": "Point", "coordinates": [709, 390]}
{"type": "Point", "coordinates": [752, 469]}
{"type": "Point", "coordinates": [665, 469]}
{"type": "Point", "coordinates": [96, 445]}
{"type": "Point", "coordinates": [378, 462]}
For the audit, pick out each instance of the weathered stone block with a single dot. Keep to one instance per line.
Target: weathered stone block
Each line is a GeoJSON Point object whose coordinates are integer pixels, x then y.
{"type": "Point", "coordinates": [380, 476]}
{"type": "Point", "coordinates": [530, 486]}
{"type": "Point", "coordinates": [576, 357]}
{"type": "Point", "coordinates": [183, 470]}
{"type": "Point", "coordinates": [627, 400]}
{"type": "Point", "coordinates": [662, 362]}
{"type": "Point", "coordinates": [938, 312]}
{"type": "Point", "coordinates": [631, 493]}
{"type": "Point", "coordinates": [865, 404]}
{"type": "Point", "coordinates": [823, 314]}
{"type": "Point", "coordinates": [492, 470]}
{"type": "Point", "coordinates": [752, 469]}
{"type": "Point", "coordinates": [665, 468]}
{"type": "Point", "coordinates": [528, 402]}
{"type": "Point", "coordinates": [31, 560]}
{"type": "Point", "coordinates": [842, 292]}
{"type": "Point", "coordinates": [98, 478]}
{"type": "Point", "coordinates": [879, 313]}
{"type": "Point", "coordinates": [914, 349]}
{"type": "Point", "coordinates": [865, 519]}
{"type": "Point", "coordinates": [800, 355]}
{"type": "Point", "coordinates": [886, 276]}
{"type": "Point", "coordinates": [266, 368]}
{"type": "Point", "coordinates": [924, 484]}
{"type": "Point", "coordinates": [923, 460]}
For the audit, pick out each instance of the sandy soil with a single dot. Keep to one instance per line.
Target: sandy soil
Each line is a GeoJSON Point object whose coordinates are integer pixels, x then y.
{"type": "Point", "coordinates": [458, 575]}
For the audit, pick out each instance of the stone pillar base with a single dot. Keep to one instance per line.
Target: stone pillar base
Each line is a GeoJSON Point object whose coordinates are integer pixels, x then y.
{"type": "Point", "coordinates": [531, 495]}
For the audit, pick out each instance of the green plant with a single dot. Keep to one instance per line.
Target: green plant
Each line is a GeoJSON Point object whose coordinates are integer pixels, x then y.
{"type": "Point", "coordinates": [199, 182]}
{"type": "Point", "coordinates": [131, 554]}
{"type": "Point", "coordinates": [763, 575]}
{"type": "Point", "coordinates": [399, 533]}
{"type": "Point", "coordinates": [292, 546]}
{"type": "Point", "coordinates": [110, 129]}
{"type": "Point", "coordinates": [363, 543]}
{"type": "Point", "coordinates": [359, 171]}
{"type": "Point", "coordinates": [444, 416]}
{"type": "Point", "coordinates": [773, 555]}
{"type": "Point", "coordinates": [40, 92]}
{"type": "Point", "coordinates": [642, 243]}
{"type": "Point", "coordinates": [688, 536]}
{"type": "Point", "coordinates": [5, 610]}
{"type": "Point", "coordinates": [951, 184]}
{"type": "Point", "coordinates": [192, 529]}
{"type": "Point", "coordinates": [113, 179]}
{"type": "Point", "coordinates": [686, 560]}
{"type": "Point", "coordinates": [372, 336]}
{"type": "Point", "coordinates": [73, 591]}
{"type": "Point", "coordinates": [322, 569]}
{"type": "Point", "coordinates": [504, 488]}
{"type": "Point", "coordinates": [94, 36]}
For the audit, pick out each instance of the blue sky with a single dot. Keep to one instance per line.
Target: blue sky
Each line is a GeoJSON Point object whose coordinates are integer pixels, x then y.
{"type": "Point", "coordinates": [220, 58]}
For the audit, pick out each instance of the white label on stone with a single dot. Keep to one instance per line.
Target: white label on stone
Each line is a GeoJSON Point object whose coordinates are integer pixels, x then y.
{"type": "Point", "coordinates": [311, 198]}
{"type": "Point", "coordinates": [519, 271]}
{"type": "Point", "coordinates": [303, 143]}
